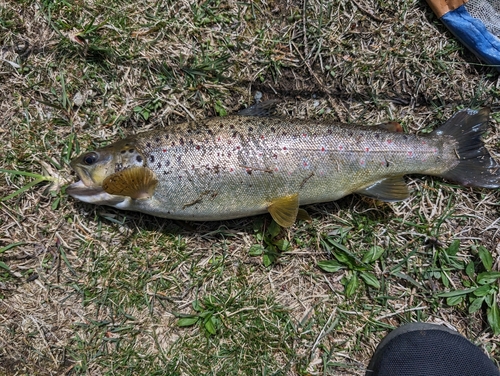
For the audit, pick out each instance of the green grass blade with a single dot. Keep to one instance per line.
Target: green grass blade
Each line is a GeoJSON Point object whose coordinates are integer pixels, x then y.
{"type": "Point", "coordinates": [23, 189]}
{"type": "Point", "coordinates": [12, 245]}
{"type": "Point", "coordinates": [28, 174]}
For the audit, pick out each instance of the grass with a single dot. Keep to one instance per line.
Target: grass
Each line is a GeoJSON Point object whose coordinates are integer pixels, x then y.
{"type": "Point", "coordinates": [92, 290]}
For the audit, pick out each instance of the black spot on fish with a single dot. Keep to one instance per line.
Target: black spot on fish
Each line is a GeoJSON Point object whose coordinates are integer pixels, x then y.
{"type": "Point", "coordinates": [190, 142]}
{"type": "Point", "coordinates": [209, 131]}
{"type": "Point", "coordinates": [284, 134]}
{"type": "Point", "coordinates": [189, 131]}
{"type": "Point", "coordinates": [151, 158]}
{"type": "Point", "coordinates": [235, 134]}
{"type": "Point", "coordinates": [350, 134]}
{"type": "Point", "coordinates": [138, 159]}
{"type": "Point", "coordinates": [123, 151]}
{"type": "Point", "coordinates": [249, 171]}
{"type": "Point", "coordinates": [148, 144]}
{"type": "Point", "coordinates": [250, 129]}
{"type": "Point", "coordinates": [229, 154]}
{"type": "Point", "coordinates": [166, 137]}
{"type": "Point", "coordinates": [179, 158]}
{"type": "Point", "coordinates": [221, 126]}
{"type": "Point", "coordinates": [231, 126]}
{"type": "Point", "coordinates": [167, 163]}
{"type": "Point", "coordinates": [405, 137]}
{"type": "Point", "coordinates": [131, 151]}
{"type": "Point", "coordinates": [159, 165]}
{"type": "Point", "coordinates": [157, 139]}
{"type": "Point", "coordinates": [181, 141]}
{"type": "Point", "coordinates": [273, 129]}
{"type": "Point", "coordinates": [173, 143]}
{"type": "Point", "coordinates": [216, 169]}
{"type": "Point", "coordinates": [192, 167]}
{"type": "Point", "coordinates": [377, 136]}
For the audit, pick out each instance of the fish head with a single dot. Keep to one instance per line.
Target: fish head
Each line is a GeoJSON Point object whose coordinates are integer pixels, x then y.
{"type": "Point", "coordinates": [112, 175]}
{"type": "Point", "coordinates": [94, 166]}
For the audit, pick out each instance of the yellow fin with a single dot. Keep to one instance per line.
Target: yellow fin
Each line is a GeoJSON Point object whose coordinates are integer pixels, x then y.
{"type": "Point", "coordinates": [135, 182]}
{"type": "Point", "coordinates": [284, 209]}
{"type": "Point", "coordinates": [304, 215]}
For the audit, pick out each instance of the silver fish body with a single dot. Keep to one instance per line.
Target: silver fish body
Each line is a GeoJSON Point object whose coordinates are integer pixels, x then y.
{"type": "Point", "coordinates": [223, 168]}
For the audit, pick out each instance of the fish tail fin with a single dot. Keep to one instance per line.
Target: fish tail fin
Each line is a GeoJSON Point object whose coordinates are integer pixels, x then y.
{"type": "Point", "coordinates": [476, 167]}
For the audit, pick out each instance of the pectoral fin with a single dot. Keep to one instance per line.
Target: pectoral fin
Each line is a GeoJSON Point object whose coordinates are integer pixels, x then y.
{"type": "Point", "coordinates": [284, 209]}
{"type": "Point", "coordinates": [389, 189]}
{"type": "Point", "coordinates": [135, 182]}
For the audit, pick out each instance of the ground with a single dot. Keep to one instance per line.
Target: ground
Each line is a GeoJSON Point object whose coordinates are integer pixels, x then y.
{"type": "Point", "coordinates": [93, 290]}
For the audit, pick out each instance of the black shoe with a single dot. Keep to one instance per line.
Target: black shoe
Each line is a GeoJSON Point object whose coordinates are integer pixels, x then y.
{"type": "Point", "coordinates": [428, 350]}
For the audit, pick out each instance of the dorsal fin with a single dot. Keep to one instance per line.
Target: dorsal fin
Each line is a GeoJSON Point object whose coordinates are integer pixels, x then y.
{"type": "Point", "coordinates": [391, 126]}
{"type": "Point", "coordinates": [135, 182]}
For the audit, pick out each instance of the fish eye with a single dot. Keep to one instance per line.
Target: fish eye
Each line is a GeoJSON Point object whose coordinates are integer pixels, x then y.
{"type": "Point", "coordinates": [90, 158]}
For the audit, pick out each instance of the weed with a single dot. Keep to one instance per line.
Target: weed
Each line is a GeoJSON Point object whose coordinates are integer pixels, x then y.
{"type": "Point", "coordinates": [270, 245]}
{"type": "Point", "coordinates": [482, 289]}
{"type": "Point", "coordinates": [206, 316]}
{"type": "Point", "coordinates": [356, 268]}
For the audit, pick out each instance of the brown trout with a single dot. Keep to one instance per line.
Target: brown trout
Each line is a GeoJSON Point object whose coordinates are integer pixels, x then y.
{"type": "Point", "coordinates": [237, 166]}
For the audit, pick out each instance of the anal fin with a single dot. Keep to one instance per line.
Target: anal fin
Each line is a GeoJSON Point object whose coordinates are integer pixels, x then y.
{"type": "Point", "coordinates": [389, 189]}
{"type": "Point", "coordinates": [284, 209]}
{"type": "Point", "coordinates": [134, 182]}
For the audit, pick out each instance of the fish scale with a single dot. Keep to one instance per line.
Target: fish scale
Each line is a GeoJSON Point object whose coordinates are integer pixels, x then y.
{"type": "Point", "coordinates": [223, 168]}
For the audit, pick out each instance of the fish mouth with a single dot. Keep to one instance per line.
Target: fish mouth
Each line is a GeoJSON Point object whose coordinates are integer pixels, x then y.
{"type": "Point", "coordinates": [80, 189]}
{"type": "Point", "coordinates": [84, 175]}
{"type": "Point", "coordinates": [93, 195]}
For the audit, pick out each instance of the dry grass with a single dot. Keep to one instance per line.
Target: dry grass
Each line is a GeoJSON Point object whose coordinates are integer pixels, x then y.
{"type": "Point", "coordinates": [91, 290]}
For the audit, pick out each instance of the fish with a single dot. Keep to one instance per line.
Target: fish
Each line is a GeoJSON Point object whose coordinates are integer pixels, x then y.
{"type": "Point", "coordinates": [242, 165]}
